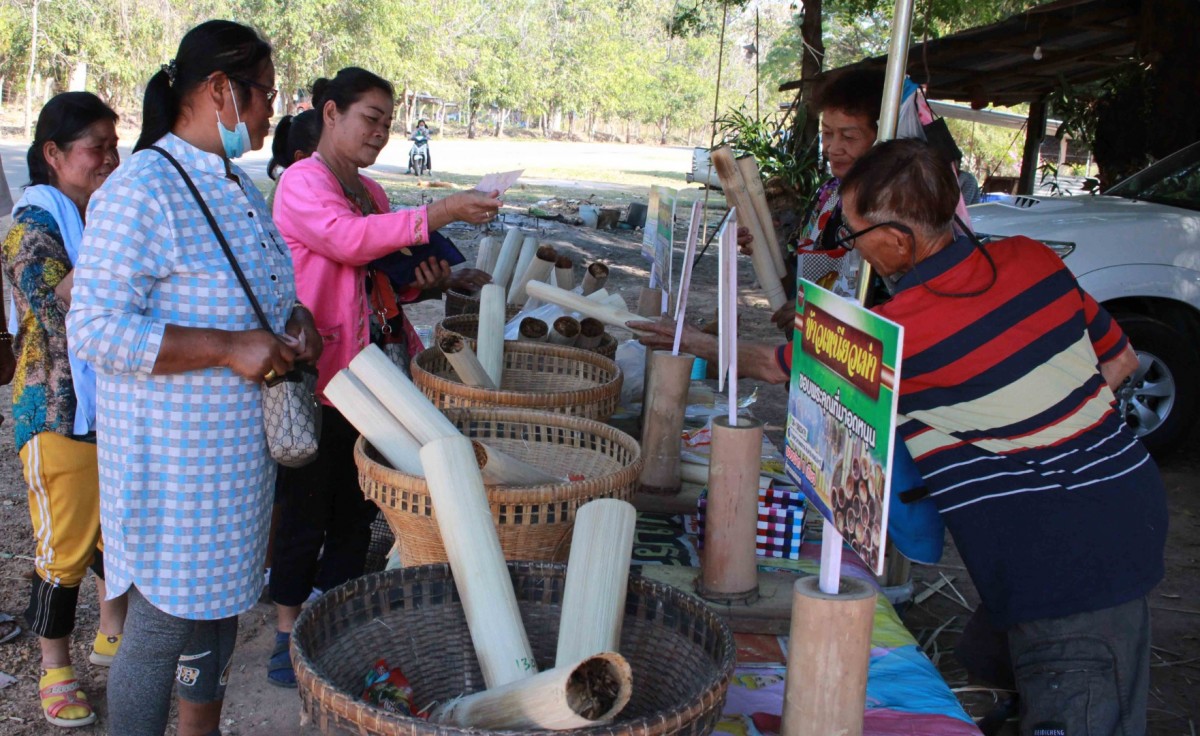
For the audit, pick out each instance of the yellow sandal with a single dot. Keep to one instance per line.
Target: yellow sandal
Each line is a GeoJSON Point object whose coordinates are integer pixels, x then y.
{"type": "Point", "coordinates": [64, 704]}
{"type": "Point", "coordinates": [104, 649]}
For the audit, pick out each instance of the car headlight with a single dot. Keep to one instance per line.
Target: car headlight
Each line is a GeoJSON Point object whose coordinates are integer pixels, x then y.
{"type": "Point", "coordinates": [1061, 247]}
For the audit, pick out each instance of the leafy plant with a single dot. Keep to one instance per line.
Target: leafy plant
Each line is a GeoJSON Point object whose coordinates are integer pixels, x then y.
{"type": "Point", "coordinates": [766, 139]}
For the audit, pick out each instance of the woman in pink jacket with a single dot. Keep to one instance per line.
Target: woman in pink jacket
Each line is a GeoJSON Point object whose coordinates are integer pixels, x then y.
{"type": "Point", "coordinates": [337, 221]}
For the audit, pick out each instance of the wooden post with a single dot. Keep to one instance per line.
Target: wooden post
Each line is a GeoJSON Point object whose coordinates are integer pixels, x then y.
{"type": "Point", "coordinates": [593, 605]}
{"type": "Point", "coordinates": [1030, 156]}
{"type": "Point", "coordinates": [564, 273]}
{"type": "Point", "coordinates": [597, 274]}
{"type": "Point", "coordinates": [472, 545]}
{"type": "Point", "coordinates": [736, 194]}
{"type": "Point", "coordinates": [489, 344]}
{"type": "Point", "coordinates": [666, 396]}
{"type": "Point", "coordinates": [729, 569]}
{"type": "Point", "coordinates": [828, 654]}
{"type": "Point", "coordinates": [539, 269]}
{"type": "Point", "coordinates": [464, 362]}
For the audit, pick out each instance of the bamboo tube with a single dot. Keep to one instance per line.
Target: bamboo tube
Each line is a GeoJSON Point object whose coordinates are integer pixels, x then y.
{"type": "Point", "coordinates": [564, 273]}
{"type": "Point", "coordinates": [485, 258]}
{"type": "Point", "coordinates": [693, 473]}
{"type": "Point", "coordinates": [385, 433]}
{"type": "Point", "coordinates": [532, 329]}
{"type": "Point", "coordinates": [729, 570]}
{"type": "Point", "coordinates": [736, 195]}
{"type": "Point", "coordinates": [400, 396]}
{"type": "Point", "coordinates": [575, 303]}
{"type": "Point", "coordinates": [501, 469]}
{"type": "Point", "coordinates": [650, 302]}
{"type": "Point", "coordinates": [464, 362]}
{"type": "Point", "coordinates": [828, 654]}
{"type": "Point", "coordinates": [591, 333]}
{"type": "Point", "coordinates": [565, 331]}
{"type": "Point", "coordinates": [662, 423]}
{"type": "Point", "coordinates": [758, 200]}
{"type": "Point", "coordinates": [581, 694]}
{"type": "Point", "coordinates": [593, 606]}
{"type": "Point", "coordinates": [525, 257]}
{"type": "Point", "coordinates": [506, 260]}
{"type": "Point", "coordinates": [539, 269]}
{"type": "Point", "coordinates": [464, 519]}
{"type": "Point", "coordinates": [594, 278]}
{"type": "Point", "coordinates": [489, 345]}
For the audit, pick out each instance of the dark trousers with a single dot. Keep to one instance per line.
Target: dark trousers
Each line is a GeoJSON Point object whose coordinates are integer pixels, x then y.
{"type": "Point", "coordinates": [325, 523]}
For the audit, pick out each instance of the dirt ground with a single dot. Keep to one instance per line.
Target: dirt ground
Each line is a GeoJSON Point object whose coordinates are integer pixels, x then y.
{"type": "Point", "coordinates": [254, 707]}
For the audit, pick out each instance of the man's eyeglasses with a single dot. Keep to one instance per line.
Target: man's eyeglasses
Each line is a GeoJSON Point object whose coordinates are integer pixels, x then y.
{"type": "Point", "coordinates": [846, 237]}
{"type": "Point", "coordinates": [270, 92]}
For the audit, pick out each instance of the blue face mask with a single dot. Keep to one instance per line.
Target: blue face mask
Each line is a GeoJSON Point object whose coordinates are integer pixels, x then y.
{"type": "Point", "coordinates": [237, 141]}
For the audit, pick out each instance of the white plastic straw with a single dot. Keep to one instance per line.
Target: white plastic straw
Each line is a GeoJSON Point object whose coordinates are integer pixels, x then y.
{"type": "Point", "coordinates": [689, 253]}
{"type": "Point", "coordinates": [729, 319]}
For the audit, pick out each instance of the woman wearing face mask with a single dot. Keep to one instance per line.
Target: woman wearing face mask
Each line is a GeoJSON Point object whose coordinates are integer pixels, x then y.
{"type": "Point", "coordinates": [185, 476]}
{"type": "Point", "coordinates": [337, 221]}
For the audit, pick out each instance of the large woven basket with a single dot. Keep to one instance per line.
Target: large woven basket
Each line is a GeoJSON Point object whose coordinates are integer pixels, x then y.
{"type": "Point", "coordinates": [536, 376]}
{"type": "Point", "coordinates": [467, 325]}
{"type": "Point", "coordinates": [534, 522]}
{"type": "Point", "coordinates": [458, 302]}
{"type": "Point", "coordinates": [681, 653]}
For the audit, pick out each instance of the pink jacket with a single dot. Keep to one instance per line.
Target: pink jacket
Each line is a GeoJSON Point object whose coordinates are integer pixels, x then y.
{"type": "Point", "coordinates": [332, 243]}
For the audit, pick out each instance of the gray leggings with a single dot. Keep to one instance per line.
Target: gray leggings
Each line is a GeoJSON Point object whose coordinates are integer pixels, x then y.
{"type": "Point", "coordinates": [157, 646]}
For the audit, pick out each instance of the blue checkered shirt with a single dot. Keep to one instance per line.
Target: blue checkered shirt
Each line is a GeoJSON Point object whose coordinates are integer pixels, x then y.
{"type": "Point", "coordinates": [185, 477]}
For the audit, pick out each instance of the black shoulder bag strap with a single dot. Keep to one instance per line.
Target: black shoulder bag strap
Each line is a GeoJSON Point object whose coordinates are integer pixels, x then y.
{"type": "Point", "coordinates": [212, 222]}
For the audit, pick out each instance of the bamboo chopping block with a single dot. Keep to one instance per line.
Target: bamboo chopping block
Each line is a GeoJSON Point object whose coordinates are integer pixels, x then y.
{"type": "Point", "coordinates": [385, 433]}
{"type": "Point", "coordinates": [593, 606]}
{"type": "Point", "coordinates": [828, 654]}
{"type": "Point", "coordinates": [758, 200]}
{"type": "Point", "coordinates": [400, 396]}
{"type": "Point", "coordinates": [662, 425]}
{"type": "Point", "coordinates": [485, 258]}
{"type": "Point", "coordinates": [729, 570]}
{"type": "Point", "coordinates": [595, 277]}
{"type": "Point", "coordinates": [736, 194]}
{"type": "Point", "coordinates": [506, 260]}
{"type": "Point", "coordinates": [581, 694]}
{"type": "Point", "coordinates": [464, 520]}
{"type": "Point", "coordinates": [490, 343]}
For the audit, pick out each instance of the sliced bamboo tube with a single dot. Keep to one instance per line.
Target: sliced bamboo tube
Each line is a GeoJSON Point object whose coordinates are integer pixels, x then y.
{"type": "Point", "coordinates": [565, 331]}
{"type": "Point", "coordinates": [828, 654]}
{"type": "Point", "coordinates": [400, 396]}
{"type": "Point", "coordinates": [758, 200]}
{"type": "Point", "coordinates": [593, 606]}
{"type": "Point", "coordinates": [385, 433]}
{"type": "Point", "coordinates": [532, 329]}
{"type": "Point", "coordinates": [729, 570]}
{"type": "Point", "coordinates": [506, 260]}
{"type": "Point", "coordinates": [736, 195]}
{"type": "Point", "coordinates": [525, 257]}
{"type": "Point", "coordinates": [502, 469]}
{"type": "Point", "coordinates": [606, 313]}
{"type": "Point", "coordinates": [464, 361]}
{"type": "Point", "coordinates": [594, 278]}
{"type": "Point", "coordinates": [464, 519]}
{"type": "Point", "coordinates": [564, 273]}
{"type": "Point", "coordinates": [663, 422]}
{"type": "Point", "coordinates": [591, 332]}
{"type": "Point", "coordinates": [584, 693]}
{"type": "Point", "coordinates": [485, 258]}
{"type": "Point", "coordinates": [539, 269]}
{"type": "Point", "coordinates": [490, 343]}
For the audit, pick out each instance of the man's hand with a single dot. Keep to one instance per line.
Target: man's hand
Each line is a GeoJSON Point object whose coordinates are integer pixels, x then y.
{"type": "Point", "coordinates": [1119, 368]}
{"type": "Point", "coordinates": [660, 335]}
{"type": "Point", "coordinates": [469, 280]}
{"type": "Point", "coordinates": [785, 316]}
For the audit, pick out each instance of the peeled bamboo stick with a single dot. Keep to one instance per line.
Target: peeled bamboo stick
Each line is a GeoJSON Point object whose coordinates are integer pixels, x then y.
{"type": "Point", "coordinates": [525, 257]}
{"type": "Point", "coordinates": [385, 433]}
{"type": "Point", "coordinates": [464, 519]}
{"type": "Point", "coordinates": [737, 196]}
{"type": "Point", "coordinates": [506, 260]}
{"type": "Point", "coordinates": [758, 200]}
{"type": "Point", "coordinates": [565, 331]}
{"type": "Point", "coordinates": [594, 278]}
{"type": "Point", "coordinates": [538, 270]}
{"type": "Point", "coordinates": [576, 303]}
{"type": "Point", "coordinates": [400, 396]}
{"type": "Point", "coordinates": [502, 469]}
{"type": "Point", "coordinates": [485, 258]}
{"type": "Point", "coordinates": [532, 329]}
{"type": "Point", "coordinates": [593, 607]}
{"type": "Point", "coordinates": [581, 694]}
{"type": "Point", "coordinates": [591, 332]}
{"type": "Point", "coordinates": [564, 273]}
{"type": "Point", "coordinates": [464, 361]}
{"type": "Point", "coordinates": [489, 345]}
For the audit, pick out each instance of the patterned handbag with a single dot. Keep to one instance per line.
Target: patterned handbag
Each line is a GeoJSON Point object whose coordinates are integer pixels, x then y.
{"type": "Point", "coordinates": [291, 412]}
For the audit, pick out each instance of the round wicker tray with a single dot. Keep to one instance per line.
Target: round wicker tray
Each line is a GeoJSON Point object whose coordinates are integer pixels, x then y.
{"type": "Point", "coordinates": [534, 522]}
{"type": "Point", "coordinates": [681, 653]}
{"type": "Point", "coordinates": [467, 325]}
{"type": "Point", "coordinates": [536, 376]}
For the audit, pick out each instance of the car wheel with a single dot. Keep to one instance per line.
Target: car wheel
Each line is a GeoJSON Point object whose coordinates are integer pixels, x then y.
{"type": "Point", "coordinates": [1158, 400]}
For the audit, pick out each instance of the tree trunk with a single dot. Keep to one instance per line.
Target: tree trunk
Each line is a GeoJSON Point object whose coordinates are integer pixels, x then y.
{"type": "Point", "coordinates": [570, 124]}
{"type": "Point", "coordinates": [556, 119]}
{"type": "Point", "coordinates": [470, 115]}
{"type": "Point", "coordinates": [628, 131]}
{"type": "Point", "coordinates": [805, 127]}
{"type": "Point", "coordinates": [500, 116]}
{"type": "Point", "coordinates": [33, 43]}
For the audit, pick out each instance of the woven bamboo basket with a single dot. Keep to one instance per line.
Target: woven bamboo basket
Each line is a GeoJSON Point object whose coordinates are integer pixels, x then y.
{"type": "Point", "coordinates": [681, 653]}
{"type": "Point", "coordinates": [536, 376]}
{"type": "Point", "coordinates": [534, 522]}
{"type": "Point", "coordinates": [458, 302]}
{"type": "Point", "coordinates": [467, 325]}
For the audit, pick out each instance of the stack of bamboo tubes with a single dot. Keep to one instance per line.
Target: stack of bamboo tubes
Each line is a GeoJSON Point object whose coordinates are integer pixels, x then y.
{"type": "Point", "coordinates": [744, 190]}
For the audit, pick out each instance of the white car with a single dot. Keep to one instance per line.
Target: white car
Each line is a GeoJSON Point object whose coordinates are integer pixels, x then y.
{"type": "Point", "coordinates": [1136, 249]}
